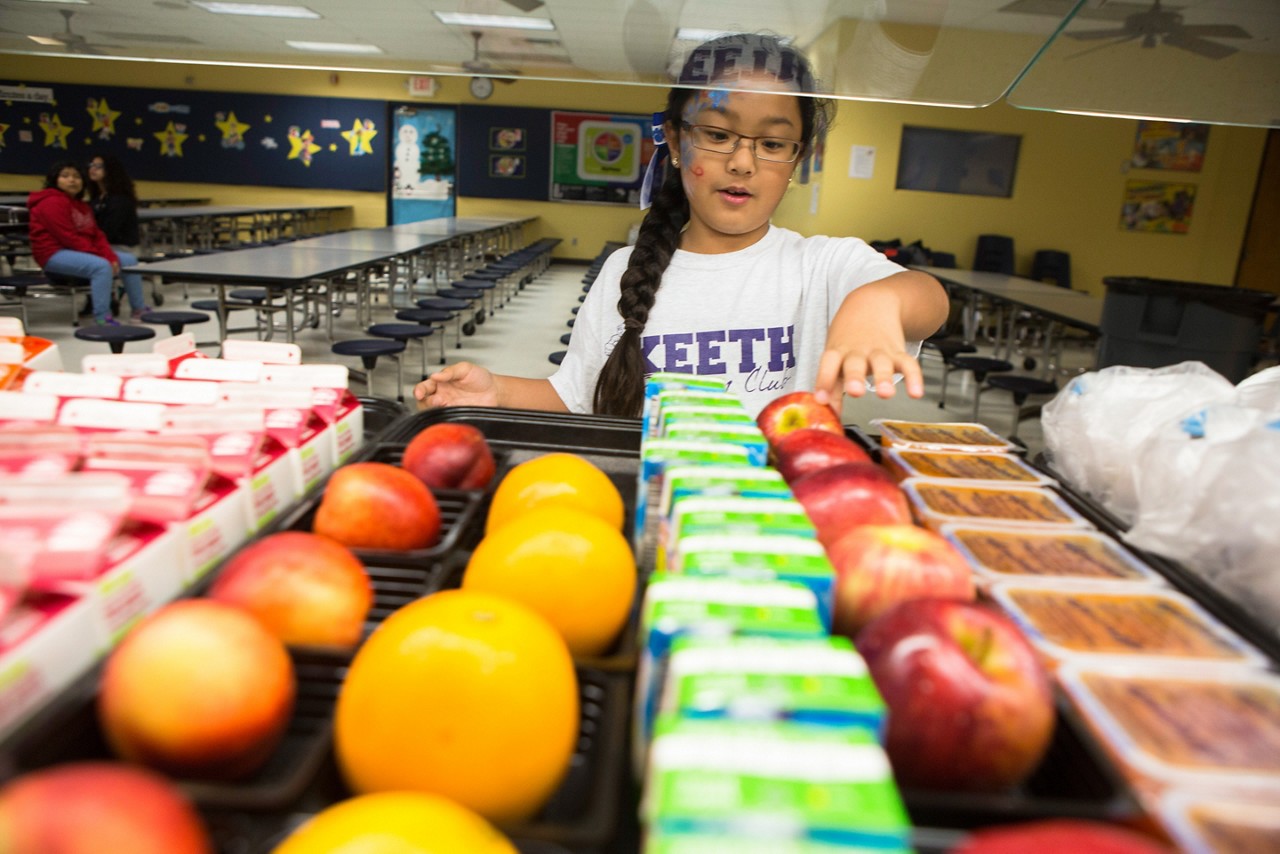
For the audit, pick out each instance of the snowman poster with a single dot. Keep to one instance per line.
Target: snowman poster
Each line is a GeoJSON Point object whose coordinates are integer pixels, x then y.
{"type": "Point", "coordinates": [423, 164]}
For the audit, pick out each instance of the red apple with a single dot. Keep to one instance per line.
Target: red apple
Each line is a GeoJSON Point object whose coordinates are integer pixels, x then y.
{"type": "Point", "coordinates": [306, 589]}
{"type": "Point", "coordinates": [878, 566]}
{"type": "Point", "coordinates": [92, 807]}
{"type": "Point", "coordinates": [796, 411]}
{"type": "Point", "coordinates": [811, 449]}
{"type": "Point", "coordinates": [968, 700]}
{"type": "Point", "coordinates": [197, 689]}
{"type": "Point", "coordinates": [850, 494]}
{"type": "Point", "coordinates": [450, 456]}
{"type": "Point", "coordinates": [378, 506]}
{"type": "Point", "coordinates": [1059, 836]}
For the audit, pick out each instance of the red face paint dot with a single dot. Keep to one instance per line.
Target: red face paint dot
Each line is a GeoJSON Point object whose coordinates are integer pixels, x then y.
{"type": "Point", "coordinates": [697, 170]}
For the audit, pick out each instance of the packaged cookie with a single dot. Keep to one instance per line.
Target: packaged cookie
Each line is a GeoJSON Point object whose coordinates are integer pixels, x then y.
{"type": "Point", "coordinates": [940, 436]}
{"type": "Point", "coordinates": [1062, 556]}
{"type": "Point", "coordinates": [1208, 726]}
{"type": "Point", "coordinates": [1201, 822]}
{"type": "Point", "coordinates": [937, 503]}
{"type": "Point", "coordinates": [959, 465]}
{"type": "Point", "coordinates": [1107, 623]}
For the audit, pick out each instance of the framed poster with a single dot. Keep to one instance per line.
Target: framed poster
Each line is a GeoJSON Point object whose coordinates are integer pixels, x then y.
{"type": "Point", "coordinates": [1178, 146]}
{"type": "Point", "coordinates": [598, 157]}
{"type": "Point", "coordinates": [956, 161]}
{"type": "Point", "coordinates": [1159, 207]}
{"type": "Point", "coordinates": [423, 166]}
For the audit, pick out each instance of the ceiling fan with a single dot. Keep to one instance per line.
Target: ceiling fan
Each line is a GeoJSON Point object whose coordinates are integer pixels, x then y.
{"type": "Point", "coordinates": [476, 65]}
{"type": "Point", "coordinates": [1158, 25]}
{"type": "Point", "coordinates": [76, 43]}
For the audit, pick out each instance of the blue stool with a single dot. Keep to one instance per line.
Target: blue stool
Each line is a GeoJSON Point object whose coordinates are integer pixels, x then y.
{"type": "Point", "coordinates": [557, 357]}
{"type": "Point", "coordinates": [455, 307]}
{"type": "Point", "coordinates": [175, 320]}
{"type": "Point", "coordinates": [1022, 388]}
{"type": "Point", "coordinates": [115, 336]}
{"type": "Point", "coordinates": [981, 366]}
{"type": "Point", "coordinates": [430, 318]}
{"type": "Point", "coordinates": [564, 339]}
{"type": "Point", "coordinates": [211, 306]}
{"type": "Point", "coordinates": [404, 333]}
{"type": "Point", "coordinates": [369, 349]}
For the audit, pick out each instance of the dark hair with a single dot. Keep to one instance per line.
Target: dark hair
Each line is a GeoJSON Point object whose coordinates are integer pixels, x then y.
{"type": "Point", "coordinates": [620, 386]}
{"type": "Point", "coordinates": [115, 179]}
{"type": "Point", "coordinates": [51, 178]}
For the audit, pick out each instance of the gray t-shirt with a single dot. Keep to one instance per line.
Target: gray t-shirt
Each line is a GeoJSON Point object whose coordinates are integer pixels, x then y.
{"type": "Point", "coordinates": [756, 318]}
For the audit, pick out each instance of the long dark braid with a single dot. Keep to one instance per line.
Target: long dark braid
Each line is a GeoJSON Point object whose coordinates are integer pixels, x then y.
{"type": "Point", "coordinates": [620, 385]}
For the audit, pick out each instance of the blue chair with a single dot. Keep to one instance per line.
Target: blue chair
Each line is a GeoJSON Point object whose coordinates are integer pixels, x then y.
{"type": "Point", "coordinates": [368, 350]}
{"type": "Point", "coordinates": [175, 320]}
{"type": "Point", "coordinates": [115, 336]}
{"type": "Point", "coordinates": [981, 366]}
{"type": "Point", "coordinates": [994, 254]}
{"type": "Point", "coordinates": [404, 333]}
{"type": "Point", "coordinates": [1021, 387]}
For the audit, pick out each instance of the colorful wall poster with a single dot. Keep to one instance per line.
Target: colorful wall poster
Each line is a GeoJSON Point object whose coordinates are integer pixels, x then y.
{"type": "Point", "coordinates": [1159, 207]}
{"type": "Point", "coordinates": [424, 164]}
{"type": "Point", "coordinates": [598, 157]}
{"type": "Point", "coordinates": [1177, 146]}
{"type": "Point", "coordinates": [197, 137]}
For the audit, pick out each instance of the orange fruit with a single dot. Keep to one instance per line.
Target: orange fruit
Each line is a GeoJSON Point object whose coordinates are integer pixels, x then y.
{"type": "Point", "coordinates": [557, 480]}
{"type": "Point", "coordinates": [462, 694]}
{"type": "Point", "coordinates": [396, 823]}
{"type": "Point", "coordinates": [569, 566]}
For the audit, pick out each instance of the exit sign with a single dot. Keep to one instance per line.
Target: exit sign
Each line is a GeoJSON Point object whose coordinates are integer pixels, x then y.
{"type": "Point", "coordinates": [422, 87]}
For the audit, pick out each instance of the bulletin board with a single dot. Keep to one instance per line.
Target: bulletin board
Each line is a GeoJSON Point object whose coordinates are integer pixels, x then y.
{"type": "Point", "coordinates": [503, 152]}
{"type": "Point", "coordinates": [197, 137]}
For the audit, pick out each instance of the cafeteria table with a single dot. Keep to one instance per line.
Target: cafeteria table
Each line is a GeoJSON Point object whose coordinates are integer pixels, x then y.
{"type": "Point", "coordinates": [1057, 305]}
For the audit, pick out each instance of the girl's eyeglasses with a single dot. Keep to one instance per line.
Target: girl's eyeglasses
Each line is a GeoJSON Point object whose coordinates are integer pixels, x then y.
{"type": "Point", "coordinates": [721, 141]}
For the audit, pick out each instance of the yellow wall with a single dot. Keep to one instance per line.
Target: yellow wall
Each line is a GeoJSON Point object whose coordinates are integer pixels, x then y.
{"type": "Point", "coordinates": [1067, 192]}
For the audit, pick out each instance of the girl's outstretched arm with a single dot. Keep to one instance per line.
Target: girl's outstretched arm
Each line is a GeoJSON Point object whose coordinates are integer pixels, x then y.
{"type": "Point", "coordinates": [867, 337]}
{"type": "Point", "coordinates": [467, 384]}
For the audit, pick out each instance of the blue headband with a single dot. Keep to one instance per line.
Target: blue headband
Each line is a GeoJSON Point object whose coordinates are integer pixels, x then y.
{"type": "Point", "coordinates": [659, 152]}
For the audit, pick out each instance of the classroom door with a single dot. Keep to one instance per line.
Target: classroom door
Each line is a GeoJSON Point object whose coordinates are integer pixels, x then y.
{"type": "Point", "coordinates": [1260, 257]}
{"type": "Point", "coordinates": [423, 164]}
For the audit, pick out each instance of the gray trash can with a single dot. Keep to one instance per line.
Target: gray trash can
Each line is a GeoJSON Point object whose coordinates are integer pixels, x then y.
{"type": "Point", "coordinates": [1154, 322]}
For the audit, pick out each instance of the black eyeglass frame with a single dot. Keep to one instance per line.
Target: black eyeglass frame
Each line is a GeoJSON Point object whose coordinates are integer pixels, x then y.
{"type": "Point", "coordinates": [737, 139]}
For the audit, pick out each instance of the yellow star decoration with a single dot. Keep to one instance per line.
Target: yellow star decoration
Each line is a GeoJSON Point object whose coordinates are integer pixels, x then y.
{"type": "Point", "coordinates": [171, 140]}
{"type": "Point", "coordinates": [302, 147]}
{"type": "Point", "coordinates": [104, 118]}
{"type": "Point", "coordinates": [359, 137]}
{"type": "Point", "coordinates": [55, 132]}
{"type": "Point", "coordinates": [333, 146]}
{"type": "Point", "coordinates": [232, 129]}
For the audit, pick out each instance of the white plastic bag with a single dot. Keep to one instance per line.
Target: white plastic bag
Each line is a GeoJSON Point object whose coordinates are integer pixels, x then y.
{"type": "Point", "coordinates": [1208, 496]}
{"type": "Point", "coordinates": [1094, 427]}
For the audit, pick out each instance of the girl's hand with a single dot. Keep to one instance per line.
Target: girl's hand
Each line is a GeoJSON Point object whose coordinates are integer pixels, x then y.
{"type": "Point", "coordinates": [115, 268]}
{"type": "Point", "coordinates": [846, 370]}
{"type": "Point", "coordinates": [461, 384]}
{"type": "Point", "coordinates": [868, 335]}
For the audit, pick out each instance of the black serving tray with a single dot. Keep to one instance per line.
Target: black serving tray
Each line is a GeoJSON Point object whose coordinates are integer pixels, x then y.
{"type": "Point", "coordinates": [458, 511]}
{"type": "Point", "coordinates": [582, 814]}
{"type": "Point", "coordinates": [535, 430]}
{"type": "Point", "coordinates": [301, 776]}
{"type": "Point", "coordinates": [380, 415]}
{"type": "Point", "coordinates": [1073, 780]}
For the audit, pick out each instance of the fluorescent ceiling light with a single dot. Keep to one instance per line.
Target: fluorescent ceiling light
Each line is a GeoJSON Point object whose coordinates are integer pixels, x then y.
{"type": "Point", "coordinates": [509, 22]}
{"type": "Point", "coordinates": [259, 10]}
{"type": "Point", "coordinates": [334, 47]}
{"type": "Point", "coordinates": [63, 2]}
{"type": "Point", "coordinates": [50, 42]}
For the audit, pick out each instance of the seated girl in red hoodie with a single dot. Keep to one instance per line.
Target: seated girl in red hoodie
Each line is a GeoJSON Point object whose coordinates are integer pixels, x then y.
{"type": "Point", "coordinates": [66, 241]}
